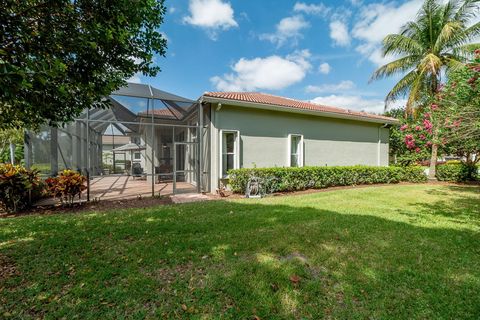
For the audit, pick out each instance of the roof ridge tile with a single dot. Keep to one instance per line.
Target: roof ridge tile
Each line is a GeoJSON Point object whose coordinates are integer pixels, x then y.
{"type": "Point", "coordinates": [267, 98]}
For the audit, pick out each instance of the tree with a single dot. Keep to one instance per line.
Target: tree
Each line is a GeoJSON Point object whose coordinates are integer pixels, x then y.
{"type": "Point", "coordinates": [459, 101]}
{"type": "Point", "coordinates": [452, 121]}
{"type": "Point", "coordinates": [59, 57]}
{"type": "Point", "coordinates": [438, 41]}
{"type": "Point", "coordinates": [11, 145]}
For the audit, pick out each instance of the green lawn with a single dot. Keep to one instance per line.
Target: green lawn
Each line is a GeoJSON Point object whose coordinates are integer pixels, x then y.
{"type": "Point", "coordinates": [395, 252]}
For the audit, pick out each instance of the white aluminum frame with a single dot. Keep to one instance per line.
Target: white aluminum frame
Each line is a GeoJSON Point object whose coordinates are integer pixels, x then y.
{"type": "Point", "coordinates": [236, 158]}
{"type": "Point", "coordinates": [289, 149]}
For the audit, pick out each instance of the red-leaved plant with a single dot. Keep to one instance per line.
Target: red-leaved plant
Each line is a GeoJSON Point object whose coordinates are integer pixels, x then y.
{"type": "Point", "coordinates": [66, 186]}
{"type": "Point", "coordinates": [16, 185]}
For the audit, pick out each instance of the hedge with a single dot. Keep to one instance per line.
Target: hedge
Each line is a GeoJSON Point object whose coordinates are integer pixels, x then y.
{"type": "Point", "coordinates": [292, 179]}
{"type": "Point", "coordinates": [457, 172]}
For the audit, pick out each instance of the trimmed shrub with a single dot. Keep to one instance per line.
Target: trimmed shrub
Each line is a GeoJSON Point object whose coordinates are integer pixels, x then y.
{"type": "Point", "coordinates": [16, 186]}
{"type": "Point", "coordinates": [66, 186]}
{"type": "Point", "coordinates": [414, 174]}
{"type": "Point", "coordinates": [293, 179]}
{"type": "Point", "coordinates": [457, 172]}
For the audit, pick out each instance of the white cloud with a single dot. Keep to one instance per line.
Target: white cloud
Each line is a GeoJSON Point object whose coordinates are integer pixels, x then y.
{"type": "Point", "coordinates": [331, 88]}
{"type": "Point", "coordinates": [315, 9]}
{"type": "Point", "coordinates": [212, 15]}
{"type": "Point", "coordinates": [356, 102]}
{"type": "Point", "coordinates": [351, 102]}
{"type": "Point", "coordinates": [376, 21]}
{"type": "Point", "coordinates": [269, 73]}
{"type": "Point", "coordinates": [288, 28]}
{"type": "Point", "coordinates": [135, 78]}
{"type": "Point", "coordinates": [339, 33]}
{"type": "Point", "coordinates": [324, 68]}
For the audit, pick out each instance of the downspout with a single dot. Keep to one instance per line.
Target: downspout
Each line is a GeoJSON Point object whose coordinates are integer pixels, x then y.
{"type": "Point", "coordinates": [200, 148]}
{"type": "Point", "coordinates": [88, 154]}
{"type": "Point", "coordinates": [379, 144]}
{"type": "Point", "coordinates": [218, 149]}
{"type": "Point", "coordinates": [214, 145]}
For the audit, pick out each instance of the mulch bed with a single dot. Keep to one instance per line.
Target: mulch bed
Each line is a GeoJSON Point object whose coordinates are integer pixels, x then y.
{"type": "Point", "coordinates": [104, 205]}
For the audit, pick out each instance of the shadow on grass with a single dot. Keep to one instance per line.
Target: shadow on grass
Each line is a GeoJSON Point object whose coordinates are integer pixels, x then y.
{"type": "Point", "coordinates": [237, 260]}
{"type": "Point", "coordinates": [462, 204]}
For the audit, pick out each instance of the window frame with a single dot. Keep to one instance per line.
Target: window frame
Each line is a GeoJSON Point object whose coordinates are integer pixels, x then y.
{"type": "Point", "coordinates": [299, 154]}
{"type": "Point", "coordinates": [236, 155]}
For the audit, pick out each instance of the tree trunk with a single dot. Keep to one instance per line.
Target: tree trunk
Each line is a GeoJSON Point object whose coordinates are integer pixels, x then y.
{"type": "Point", "coordinates": [12, 153]}
{"type": "Point", "coordinates": [433, 163]}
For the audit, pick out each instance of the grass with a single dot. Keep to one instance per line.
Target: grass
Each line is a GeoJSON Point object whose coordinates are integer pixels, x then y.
{"type": "Point", "coordinates": [395, 252]}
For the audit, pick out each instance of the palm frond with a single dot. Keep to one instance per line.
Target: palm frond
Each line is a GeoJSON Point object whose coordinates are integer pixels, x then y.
{"type": "Point", "coordinates": [430, 64]}
{"type": "Point", "coordinates": [464, 36]}
{"type": "Point", "coordinates": [395, 67]}
{"type": "Point", "coordinates": [401, 44]}
{"type": "Point", "coordinates": [428, 18]}
{"type": "Point", "coordinates": [467, 10]}
{"type": "Point", "coordinates": [453, 64]}
{"type": "Point", "coordinates": [419, 92]}
{"type": "Point", "coordinates": [411, 29]}
{"type": "Point", "coordinates": [450, 9]}
{"type": "Point", "coordinates": [466, 51]}
{"type": "Point", "coordinates": [414, 95]}
{"type": "Point", "coordinates": [448, 32]}
{"type": "Point", "coordinates": [402, 87]}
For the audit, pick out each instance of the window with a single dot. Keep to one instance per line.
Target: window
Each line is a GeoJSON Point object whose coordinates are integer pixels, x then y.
{"type": "Point", "coordinates": [295, 150]}
{"type": "Point", "coordinates": [229, 151]}
{"type": "Point", "coordinates": [137, 156]}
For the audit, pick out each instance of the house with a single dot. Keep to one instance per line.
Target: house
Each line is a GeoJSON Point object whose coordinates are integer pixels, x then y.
{"type": "Point", "coordinates": [262, 130]}
{"type": "Point", "coordinates": [190, 145]}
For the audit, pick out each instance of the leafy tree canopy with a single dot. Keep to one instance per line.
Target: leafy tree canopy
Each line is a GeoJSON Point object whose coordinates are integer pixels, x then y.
{"type": "Point", "coordinates": [460, 101]}
{"type": "Point", "coordinates": [59, 57]}
{"type": "Point", "coordinates": [452, 120]}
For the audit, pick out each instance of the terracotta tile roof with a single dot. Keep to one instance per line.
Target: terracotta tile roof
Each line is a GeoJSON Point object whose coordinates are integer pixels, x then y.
{"type": "Point", "coordinates": [165, 113]}
{"type": "Point", "coordinates": [263, 98]}
{"type": "Point", "coordinates": [119, 140]}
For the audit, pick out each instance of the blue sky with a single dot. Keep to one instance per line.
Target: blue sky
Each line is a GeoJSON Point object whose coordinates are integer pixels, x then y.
{"type": "Point", "coordinates": [324, 51]}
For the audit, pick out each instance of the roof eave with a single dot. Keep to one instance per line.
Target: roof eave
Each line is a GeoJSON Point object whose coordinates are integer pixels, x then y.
{"type": "Point", "coordinates": [264, 106]}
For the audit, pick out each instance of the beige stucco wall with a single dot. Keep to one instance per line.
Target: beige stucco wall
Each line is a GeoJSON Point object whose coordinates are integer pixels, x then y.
{"type": "Point", "coordinates": [327, 141]}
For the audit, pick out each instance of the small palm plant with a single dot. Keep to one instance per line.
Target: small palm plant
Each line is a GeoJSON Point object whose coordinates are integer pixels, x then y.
{"type": "Point", "coordinates": [440, 40]}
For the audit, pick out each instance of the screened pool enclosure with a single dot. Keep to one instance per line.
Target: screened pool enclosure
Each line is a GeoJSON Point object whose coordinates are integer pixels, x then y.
{"type": "Point", "coordinates": [149, 142]}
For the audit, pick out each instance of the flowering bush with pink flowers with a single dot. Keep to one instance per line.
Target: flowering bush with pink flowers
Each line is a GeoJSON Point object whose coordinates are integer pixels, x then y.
{"type": "Point", "coordinates": [451, 122]}
{"type": "Point", "coordinates": [459, 103]}
{"type": "Point", "coordinates": [417, 134]}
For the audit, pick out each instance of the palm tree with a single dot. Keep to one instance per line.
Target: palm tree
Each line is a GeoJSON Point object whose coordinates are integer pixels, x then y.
{"type": "Point", "coordinates": [437, 42]}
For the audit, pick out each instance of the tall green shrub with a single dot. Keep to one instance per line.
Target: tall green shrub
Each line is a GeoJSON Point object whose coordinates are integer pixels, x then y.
{"type": "Point", "coordinates": [457, 172]}
{"type": "Point", "coordinates": [292, 179]}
